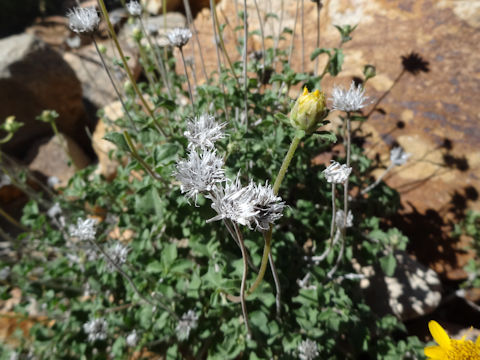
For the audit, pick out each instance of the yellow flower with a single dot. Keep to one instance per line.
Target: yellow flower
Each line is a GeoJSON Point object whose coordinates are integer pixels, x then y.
{"type": "Point", "coordinates": [451, 349]}
{"type": "Point", "coordinates": [308, 111]}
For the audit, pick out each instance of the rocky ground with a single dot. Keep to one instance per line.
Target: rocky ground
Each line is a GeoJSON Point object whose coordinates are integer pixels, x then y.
{"type": "Point", "coordinates": [425, 99]}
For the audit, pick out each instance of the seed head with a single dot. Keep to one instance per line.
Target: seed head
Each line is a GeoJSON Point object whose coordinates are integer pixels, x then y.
{"type": "Point", "coordinates": [83, 20]}
{"type": "Point", "coordinates": [118, 254]}
{"type": "Point", "coordinates": [200, 173]}
{"type": "Point", "coordinates": [203, 131]}
{"type": "Point", "coordinates": [179, 37]}
{"type": "Point", "coordinates": [134, 8]}
{"type": "Point", "coordinates": [398, 157]}
{"type": "Point", "coordinates": [336, 173]}
{"type": "Point", "coordinates": [349, 100]}
{"type": "Point", "coordinates": [132, 339]}
{"type": "Point", "coordinates": [340, 219]}
{"type": "Point", "coordinates": [96, 329]}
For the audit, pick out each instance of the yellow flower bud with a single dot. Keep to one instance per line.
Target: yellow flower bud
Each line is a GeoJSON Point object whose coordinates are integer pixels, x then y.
{"type": "Point", "coordinates": [309, 110]}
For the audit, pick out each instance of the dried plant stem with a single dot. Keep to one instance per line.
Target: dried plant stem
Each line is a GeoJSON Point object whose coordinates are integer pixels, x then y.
{"type": "Point", "coordinates": [127, 68]}
{"type": "Point", "coordinates": [63, 143]}
{"type": "Point", "coordinates": [278, 295]}
{"type": "Point", "coordinates": [380, 178]}
{"type": "Point", "coordinates": [114, 85]}
{"type": "Point", "coordinates": [319, 7]}
{"type": "Point", "coordinates": [244, 280]}
{"type": "Point", "coordinates": [188, 79]}
{"type": "Point", "coordinates": [262, 34]}
{"type": "Point", "coordinates": [292, 41]}
{"type": "Point", "coordinates": [280, 30]}
{"type": "Point", "coordinates": [268, 234]}
{"type": "Point", "coordinates": [332, 229]}
{"type": "Point", "coordinates": [130, 281]}
{"type": "Point", "coordinates": [157, 58]}
{"type": "Point", "coordinates": [302, 15]}
{"type": "Point", "coordinates": [244, 60]}
{"type": "Point", "coordinates": [190, 21]}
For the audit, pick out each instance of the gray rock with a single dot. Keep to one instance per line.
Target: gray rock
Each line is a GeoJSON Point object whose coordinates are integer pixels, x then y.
{"type": "Point", "coordinates": [413, 291]}
{"type": "Point", "coordinates": [33, 78]}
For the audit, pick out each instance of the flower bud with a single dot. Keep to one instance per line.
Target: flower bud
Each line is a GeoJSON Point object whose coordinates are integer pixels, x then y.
{"type": "Point", "coordinates": [309, 110]}
{"type": "Point", "coordinates": [11, 125]}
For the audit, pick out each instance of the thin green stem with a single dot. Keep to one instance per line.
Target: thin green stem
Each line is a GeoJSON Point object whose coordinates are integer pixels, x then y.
{"type": "Point", "coordinates": [268, 235]}
{"type": "Point", "coordinates": [11, 220]}
{"type": "Point", "coordinates": [62, 142]}
{"type": "Point", "coordinates": [188, 79]}
{"type": "Point", "coordinates": [244, 279]}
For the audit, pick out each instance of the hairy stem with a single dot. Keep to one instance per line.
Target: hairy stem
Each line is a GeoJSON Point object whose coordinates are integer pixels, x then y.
{"type": "Point", "coordinates": [188, 79]}
{"type": "Point", "coordinates": [244, 279]}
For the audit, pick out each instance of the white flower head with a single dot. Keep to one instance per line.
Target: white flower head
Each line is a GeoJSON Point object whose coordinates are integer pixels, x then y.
{"type": "Point", "coordinates": [96, 329]}
{"type": "Point", "coordinates": [134, 8]}
{"type": "Point", "coordinates": [132, 339]}
{"type": "Point", "coordinates": [179, 37]}
{"type": "Point", "coordinates": [53, 181]}
{"type": "Point", "coordinates": [336, 173]}
{"type": "Point", "coordinates": [199, 173]}
{"type": "Point", "coordinates": [255, 206]}
{"type": "Point", "coordinates": [187, 323]}
{"type": "Point", "coordinates": [118, 254]}
{"type": "Point", "coordinates": [308, 350]}
{"type": "Point", "coordinates": [83, 20]}
{"type": "Point", "coordinates": [352, 99]}
{"type": "Point", "coordinates": [340, 219]}
{"type": "Point", "coordinates": [84, 230]}
{"type": "Point", "coordinates": [54, 211]}
{"type": "Point", "coordinates": [203, 131]}
{"type": "Point", "coordinates": [398, 157]}
{"type": "Point", "coordinates": [5, 180]}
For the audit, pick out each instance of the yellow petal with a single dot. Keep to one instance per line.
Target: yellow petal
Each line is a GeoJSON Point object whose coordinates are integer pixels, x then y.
{"type": "Point", "coordinates": [435, 353]}
{"type": "Point", "coordinates": [439, 334]}
{"type": "Point", "coordinates": [305, 90]}
{"type": "Point", "coordinates": [316, 93]}
{"type": "Point", "coordinates": [477, 342]}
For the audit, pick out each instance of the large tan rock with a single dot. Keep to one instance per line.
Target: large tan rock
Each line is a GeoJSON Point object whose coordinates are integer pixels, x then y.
{"type": "Point", "coordinates": [428, 107]}
{"type": "Point", "coordinates": [33, 78]}
{"type": "Point", "coordinates": [48, 156]}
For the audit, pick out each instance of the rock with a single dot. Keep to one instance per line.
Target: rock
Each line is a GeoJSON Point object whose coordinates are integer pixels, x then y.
{"type": "Point", "coordinates": [426, 103]}
{"type": "Point", "coordinates": [96, 86]}
{"type": "Point", "coordinates": [48, 157]}
{"type": "Point", "coordinates": [413, 290]}
{"type": "Point", "coordinates": [33, 78]}
{"type": "Point", "coordinates": [155, 7]}
{"type": "Point", "coordinates": [107, 165]}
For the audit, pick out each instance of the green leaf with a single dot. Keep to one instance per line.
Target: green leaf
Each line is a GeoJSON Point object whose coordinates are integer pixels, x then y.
{"type": "Point", "coordinates": [388, 264]}
{"type": "Point", "coordinates": [166, 153]}
{"type": "Point", "coordinates": [118, 139]}
{"type": "Point", "coordinates": [319, 51]}
{"type": "Point", "coordinates": [154, 267]}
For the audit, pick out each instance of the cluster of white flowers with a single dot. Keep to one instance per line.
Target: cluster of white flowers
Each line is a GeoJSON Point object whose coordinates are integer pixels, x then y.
{"type": "Point", "coordinates": [83, 20]}
{"type": "Point", "coordinates": [308, 350]}
{"type": "Point", "coordinates": [254, 205]}
{"type": "Point", "coordinates": [118, 254]}
{"type": "Point", "coordinates": [134, 8]}
{"type": "Point", "coordinates": [5, 180]}
{"type": "Point", "coordinates": [398, 157]}
{"type": "Point", "coordinates": [336, 173]}
{"type": "Point", "coordinates": [84, 230]}
{"type": "Point", "coordinates": [132, 339]}
{"type": "Point", "coordinates": [340, 219]}
{"type": "Point", "coordinates": [187, 323]}
{"type": "Point", "coordinates": [179, 37]}
{"type": "Point", "coordinates": [349, 100]}
{"type": "Point", "coordinates": [96, 329]}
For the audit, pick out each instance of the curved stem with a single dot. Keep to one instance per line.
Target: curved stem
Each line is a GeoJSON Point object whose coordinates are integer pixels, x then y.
{"type": "Point", "coordinates": [268, 234]}
{"type": "Point", "coordinates": [278, 296]}
{"type": "Point", "coordinates": [188, 79]}
{"type": "Point", "coordinates": [244, 279]}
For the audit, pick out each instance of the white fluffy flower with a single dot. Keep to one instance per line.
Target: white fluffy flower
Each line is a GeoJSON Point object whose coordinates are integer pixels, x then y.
{"type": "Point", "coordinates": [96, 329]}
{"type": "Point", "coordinates": [134, 8]}
{"type": "Point", "coordinates": [336, 173]}
{"type": "Point", "coordinates": [250, 205]}
{"type": "Point", "coordinates": [179, 37]}
{"type": "Point", "coordinates": [203, 131]}
{"type": "Point", "coordinates": [340, 219]}
{"type": "Point", "coordinates": [188, 322]}
{"type": "Point", "coordinates": [308, 350]}
{"type": "Point", "coordinates": [398, 157]}
{"type": "Point", "coordinates": [132, 339]}
{"type": "Point", "coordinates": [53, 181]}
{"type": "Point", "coordinates": [84, 230]}
{"type": "Point", "coordinates": [118, 254]}
{"type": "Point", "coordinates": [5, 180]}
{"type": "Point", "coordinates": [54, 211]}
{"type": "Point", "coordinates": [199, 173]}
{"type": "Point", "coordinates": [83, 20]}
{"type": "Point", "coordinates": [352, 99]}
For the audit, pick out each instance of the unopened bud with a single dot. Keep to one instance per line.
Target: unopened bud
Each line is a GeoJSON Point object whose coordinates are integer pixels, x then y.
{"type": "Point", "coordinates": [11, 125]}
{"type": "Point", "coordinates": [309, 110]}
{"type": "Point", "coordinates": [102, 48]}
